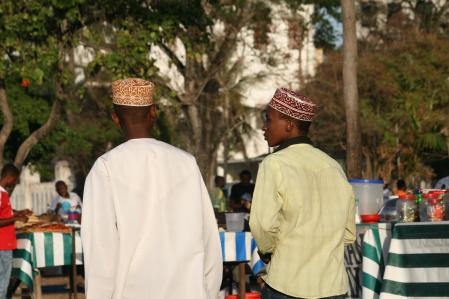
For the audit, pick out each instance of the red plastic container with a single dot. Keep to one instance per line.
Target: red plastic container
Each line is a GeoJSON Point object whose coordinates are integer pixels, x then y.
{"type": "Point", "coordinates": [374, 218]}
{"type": "Point", "coordinates": [248, 295]}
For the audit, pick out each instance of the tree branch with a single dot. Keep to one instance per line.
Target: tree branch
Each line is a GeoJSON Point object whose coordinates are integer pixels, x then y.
{"type": "Point", "coordinates": [229, 42]}
{"type": "Point", "coordinates": [179, 65]}
{"type": "Point", "coordinates": [225, 51]}
{"type": "Point", "coordinates": [37, 135]}
{"type": "Point", "coordinates": [8, 120]}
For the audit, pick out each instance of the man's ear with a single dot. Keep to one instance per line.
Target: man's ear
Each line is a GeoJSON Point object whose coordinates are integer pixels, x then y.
{"type": "Point", "coordinates": [152, 114]}
{"type": "Point", "coordinates": [289, 126]}
{"type": "Point", "coordinates": [116, 120]}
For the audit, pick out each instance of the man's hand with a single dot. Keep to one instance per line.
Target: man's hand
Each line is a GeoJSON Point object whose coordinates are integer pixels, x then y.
{"type": "Point", "coordinates": [22, 218]}
{"type": "Point", "coordinates": [25, 213]}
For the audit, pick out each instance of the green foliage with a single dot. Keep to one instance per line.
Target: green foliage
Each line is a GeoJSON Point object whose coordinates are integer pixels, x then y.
{"type": "Point", "coordinates": [35, 35]}
{"type": "Point", "coordinates": [404, 96]}
{"type": "Point", "coordinates": [325, 15]}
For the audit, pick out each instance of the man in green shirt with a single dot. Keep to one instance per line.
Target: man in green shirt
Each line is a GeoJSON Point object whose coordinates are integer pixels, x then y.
{"type": "Point", "coordinates": [219, 200]}
{"type": "Point", "coordinates": [303, 207]}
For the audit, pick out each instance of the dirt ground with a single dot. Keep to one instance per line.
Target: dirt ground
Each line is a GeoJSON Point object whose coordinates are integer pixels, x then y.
{"type": "Point", "coordinates": [52, 284]}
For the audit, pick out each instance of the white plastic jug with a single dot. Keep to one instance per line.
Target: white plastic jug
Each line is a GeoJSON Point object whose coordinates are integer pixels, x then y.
{"type": "Point", "coordinates": [235, 222]}
{"type": "Point", "coordinates": [369, 195]}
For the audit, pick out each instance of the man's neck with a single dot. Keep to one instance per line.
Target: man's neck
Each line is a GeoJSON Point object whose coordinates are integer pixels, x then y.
{"type": "Point", "coordinates": [293, 140]}
{"type": "Point", "coordinates": [2, 184]}
{"type": "Point", "coordinates": [137, 136]}
{"type": "Point", "coordinates": [138, 133]}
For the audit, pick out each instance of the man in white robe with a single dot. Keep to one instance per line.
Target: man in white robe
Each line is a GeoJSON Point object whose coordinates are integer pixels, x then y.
{"type": "Point", "coordinates": [148, 227]}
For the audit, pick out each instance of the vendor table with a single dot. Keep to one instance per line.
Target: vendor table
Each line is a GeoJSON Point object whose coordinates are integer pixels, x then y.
{"type": "Point", "coordinates": [39, 250]}
{"type": "Point", "coordinates": [408, 260]}
{"type": "Point", "coordinates": [240, 247]}
{"type": "Point", "coordinates": [43, 249]}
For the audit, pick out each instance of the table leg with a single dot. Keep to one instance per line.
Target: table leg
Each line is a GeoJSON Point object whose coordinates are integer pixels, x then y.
{"type": "Point", "coordinates": [37, 285]}
{"type": "Point", "coordinates": [74, 273]}
{"type": "Point", "coordinates": [242, 281]}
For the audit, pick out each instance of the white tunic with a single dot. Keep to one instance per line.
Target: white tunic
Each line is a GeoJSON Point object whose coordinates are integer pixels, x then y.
{"type": "Point", "coordinates": [148, 227]}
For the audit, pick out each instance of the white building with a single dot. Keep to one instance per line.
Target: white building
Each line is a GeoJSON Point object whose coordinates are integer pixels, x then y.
{"type": "Point", "coordinates": [295, 61]}
{"type": "Point", "coordinates": [35, 195]}
{"type": "Point", "coordinates": [288, 58]}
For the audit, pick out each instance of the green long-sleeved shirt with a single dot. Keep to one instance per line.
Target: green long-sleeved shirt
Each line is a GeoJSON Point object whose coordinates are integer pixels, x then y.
{"type": "Point", "coordinates": [303, 213]}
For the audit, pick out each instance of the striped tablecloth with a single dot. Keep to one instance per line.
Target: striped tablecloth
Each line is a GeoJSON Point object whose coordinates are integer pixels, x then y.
{"type": "Point", "coordinates": [38, 250]}
{"type": "Point", "coordinates": [240, 247]}
{"type": "Point", "coordinates": [375, 250]}
{"type": "Point", "coordinates": [412, 261]}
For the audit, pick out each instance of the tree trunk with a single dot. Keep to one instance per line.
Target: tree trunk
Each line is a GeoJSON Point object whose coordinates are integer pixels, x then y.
{"type": "Point", "coordinates": [8, 120]}
{"type": "Point", "coordinates": [353, 135]}
{"type": "Point", "coordinates": [37, 135]}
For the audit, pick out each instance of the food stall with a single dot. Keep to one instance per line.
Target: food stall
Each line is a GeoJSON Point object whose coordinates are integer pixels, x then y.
{"type": "Point", "coordinates": [406, 260]}
{"type": "Point", "coordinates": [409, 255]}
{"type": "Point", "coordinates": [44, 242]}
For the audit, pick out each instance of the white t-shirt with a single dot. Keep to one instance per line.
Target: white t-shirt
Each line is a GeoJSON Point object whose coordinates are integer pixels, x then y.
{"type": "Point", "coordinates": [67, 204]}
{"type": "Point", "coordinates": [443, 183]}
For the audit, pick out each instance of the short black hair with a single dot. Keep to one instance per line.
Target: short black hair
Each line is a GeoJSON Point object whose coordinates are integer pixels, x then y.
{"type": "Point", "coordinates": [218, 178]}
{"type": "Point", "coordinates": [131, 114]}
{"type": "Point", "coordinates": [60, 182]}
{"type": "Point", "coordinates": [400, 184]}
{"type": "Point", "coordinates": [10, 169]}
{"type": "Point", "coordinates": [245, 172]}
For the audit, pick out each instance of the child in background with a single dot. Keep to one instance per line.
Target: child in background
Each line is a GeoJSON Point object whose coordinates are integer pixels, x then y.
{"type": "Point", "coordinates": [401, 188]}
{"type": "Point", "coordinates": [8, 179]}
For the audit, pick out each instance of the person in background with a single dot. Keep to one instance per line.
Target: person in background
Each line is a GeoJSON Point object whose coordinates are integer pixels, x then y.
{"type": "Point", "coordinates": [303, 208]}
{"type": "Point", "coordinates": [148, 227]}
{"type": "Point", "coordinates": [66, 204]}
{"type": "Point", "coordinates": [219, 200]}
{"type": "Point", "coordinates": [442, 183]}
{"type": "Point", "coordinates": [401, 188]}
{"type": "Point", "coordinates": [240, 189]}
{"type": "Point", "coordinates": [8, 179]}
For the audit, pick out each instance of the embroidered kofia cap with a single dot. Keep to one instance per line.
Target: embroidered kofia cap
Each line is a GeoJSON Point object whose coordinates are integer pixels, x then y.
{"type": "Point", "coordinates": [132, 92]}
{"type": "Point", "coordinates": [293, 104]}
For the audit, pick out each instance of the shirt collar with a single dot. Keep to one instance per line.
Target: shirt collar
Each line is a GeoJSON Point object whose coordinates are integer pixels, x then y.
{"type": "Point", "coordinates": [292, 141]}
{"type": "Point", "coordinates": [3, 189]}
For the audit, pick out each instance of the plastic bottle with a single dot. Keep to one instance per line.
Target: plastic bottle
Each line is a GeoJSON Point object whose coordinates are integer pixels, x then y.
{"type": "Point", "coordinates": [406, 208]}
{"type": "Point", "coordinates": [446, 205]}
{"type": "Point", "coordinates": [423, 207]}
{"type": "Point", "coordinates": [435, 210]}
{"type": "Point", "coordinates": [419, 199]}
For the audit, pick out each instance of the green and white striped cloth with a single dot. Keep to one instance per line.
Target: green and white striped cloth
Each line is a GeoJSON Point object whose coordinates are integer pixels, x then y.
{"type": "Point", "coordinates": [39, 250]}
{"type": "Point", "coordinates": [417, 263]}
{"type": "Point", "coordinates": [374, 255]}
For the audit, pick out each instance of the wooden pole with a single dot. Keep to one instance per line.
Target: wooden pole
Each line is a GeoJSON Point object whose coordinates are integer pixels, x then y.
{"type": "Point", "coordinates": [242, 281]}
{"type": "Point", "coordinates": [350, 92]}
{"type": "Point", "coordinates": [74, 272]}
